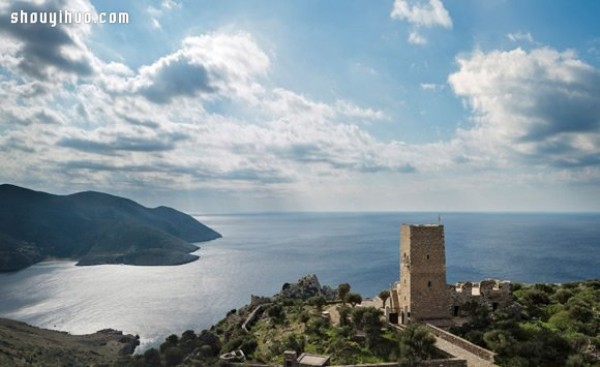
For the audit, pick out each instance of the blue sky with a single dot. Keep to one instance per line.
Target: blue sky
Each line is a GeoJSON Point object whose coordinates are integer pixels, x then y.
{"type": "Point", "coordinates": [227, 106]}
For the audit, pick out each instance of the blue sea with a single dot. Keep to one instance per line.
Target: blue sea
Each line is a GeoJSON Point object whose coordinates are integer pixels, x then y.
{"type": "Point", "coordinates": [259, 252]}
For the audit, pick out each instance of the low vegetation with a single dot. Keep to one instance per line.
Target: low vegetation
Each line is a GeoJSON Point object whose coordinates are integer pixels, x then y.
{"type": "Point", "coordinates": [357, 335]}
{"type": "Point", "coordinates": [548, 325]}
{"type": "Point", "coordinates": [25, 345]}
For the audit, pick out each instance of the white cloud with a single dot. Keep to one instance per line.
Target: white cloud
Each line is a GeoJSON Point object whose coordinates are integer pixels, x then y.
{"type": "Point", "coordinates": [416, 38]}
{"type": "Point", "coordinates": [540, 105]}
{"type": "Point", "coordinates": [348, 109]}
{"type": "Point", "coordinates": [157, 12]}
{"type": "Point", "coordinates": [170, 4]}
{"type": "Point", "coordinates": [125, 127]}
{"type": "Point", "coordinates": [153, 11]}
{"type": "Point", "coordinates": [363, 69]}
{"type": "Point", "coordinates": [520, 36]}
{"type": "Point", "coordinates": [421, 14]}
{"type": "Point", "coordinates": [47, 53]}
{"type": "Point", "coordinates": [210, 65]}
{"type": "Point", "coordinates": [432, 87]}
{"type": "Point", "coordinates": [155, 23]}
{"type": "Point", "coordinates": [207, 116]}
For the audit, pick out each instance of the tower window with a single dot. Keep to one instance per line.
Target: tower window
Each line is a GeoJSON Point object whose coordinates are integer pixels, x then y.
{"type": "Point", "coordinates": [427, 256]}
{"type": "Point", "coordinates": [429, 284]}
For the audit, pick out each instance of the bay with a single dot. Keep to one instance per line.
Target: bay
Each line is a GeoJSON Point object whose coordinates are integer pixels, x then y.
{"type": "Point", "coordinates": [259, 252]}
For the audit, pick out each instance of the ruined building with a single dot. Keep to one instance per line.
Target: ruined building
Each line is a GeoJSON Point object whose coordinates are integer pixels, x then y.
{"type": "Point", "coordinates": [493, 292]}
{"type": "Point", "coordinates": [422, 294]}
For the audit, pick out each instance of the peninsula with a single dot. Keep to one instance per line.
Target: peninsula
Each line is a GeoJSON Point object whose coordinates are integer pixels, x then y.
{"type": "Point", "coordinates": [93, 228]}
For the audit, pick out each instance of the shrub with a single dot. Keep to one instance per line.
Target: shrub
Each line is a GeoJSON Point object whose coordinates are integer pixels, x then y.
{"type": "Point", "coordinates": [354, 299]}
{"type": "Point", "coordinates": [416, 344]}
{"type": "Point", "coordinates": [173, 356]}
{"type": "Point", "coordinates": [152, 358]}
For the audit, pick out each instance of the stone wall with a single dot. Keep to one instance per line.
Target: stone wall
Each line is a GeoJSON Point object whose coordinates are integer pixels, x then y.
{"type": "Point", "coordinates": [462, 343]}
{"type": "Point", "coordinates": [451, 362]}
{"type": "Point", "coordinates": [493, 292]}
{"type": "Point", "coordinates": [252, 317]}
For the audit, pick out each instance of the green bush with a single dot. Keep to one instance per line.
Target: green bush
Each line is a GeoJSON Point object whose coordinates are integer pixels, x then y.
{"type": "Point", "coordinates": [173, 356]}
{"type": "Point", "coordinates": [416, 344]}
{"type": "Point", "coordinates": [152, 358]}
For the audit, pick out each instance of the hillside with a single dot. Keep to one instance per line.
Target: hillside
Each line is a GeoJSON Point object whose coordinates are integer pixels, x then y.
{"type": "Point", "coordinates": [550, 325]}
{"type": "Point", "coordinates": [24, 345]}
{"type": "Point", "coordinates": [94, 228]}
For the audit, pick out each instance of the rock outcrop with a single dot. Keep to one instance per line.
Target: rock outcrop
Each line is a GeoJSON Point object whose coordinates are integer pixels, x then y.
{"type": "Point", "coordinates": [306, 287]}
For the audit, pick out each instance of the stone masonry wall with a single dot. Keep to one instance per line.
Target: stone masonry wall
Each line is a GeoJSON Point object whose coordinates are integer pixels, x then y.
{"type": "Point", "coordinates": [451, 362]}
{"type": "Point", "coordinates": [462, 343]}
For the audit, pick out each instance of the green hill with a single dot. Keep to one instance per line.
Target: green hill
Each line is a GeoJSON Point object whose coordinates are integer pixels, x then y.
{"type": "Point", "coordinates": [94, 228]}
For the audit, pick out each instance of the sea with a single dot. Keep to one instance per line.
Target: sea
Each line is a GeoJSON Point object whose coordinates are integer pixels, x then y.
{"type": "Point", "coordinates": [260, 252]}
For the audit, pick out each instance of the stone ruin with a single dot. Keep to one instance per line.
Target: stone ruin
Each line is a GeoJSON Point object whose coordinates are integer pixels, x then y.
{"type": "Point", "coordinates": [493, 292]}
{"type": "Point", "coordinates": [422, 294]}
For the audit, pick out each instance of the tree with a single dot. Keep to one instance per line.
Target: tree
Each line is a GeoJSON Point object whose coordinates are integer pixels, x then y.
{"type": "Point", "coordinates": [372, 325]}
{"type": "Point", "coordinates": [294, 343]}
{"type": "Point", "coordinates": [173, 356]}
{"type": "Point", "coordinates": [357, 317]}
{"type": "Point", "coordinates": [575, 360]}
{"type": "Point", "coordinates": [416, 344]}
{"type": "Point", "coordinates": [171, 341]}
{"type": "Point", "coordinates": [317, 301]}
{"type": "Point", "coordinates": [152, 358]}
{"type": "Point", "coordinates": [384, 295]}
{"type": "Point", "coordinates": [501, 342]}
{"type": "Point", "coordinates": [207, 337]}
{"type": "Point", "coordinates": [187, 343]}
{"type": "Point", "coordinates": [478, 312]}
{"type": "Point", "coordinates": [344, 312]}
{"type": "Point", "coordinates": [276, 313]}
{"type": "Point", "coordinates": [343, 290]}
{"type": "Point", "coordinates": [354, 299]}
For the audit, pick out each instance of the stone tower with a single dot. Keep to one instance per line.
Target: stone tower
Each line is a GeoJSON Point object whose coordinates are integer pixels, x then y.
{"type": "Point", "coordinates": [422, 293]}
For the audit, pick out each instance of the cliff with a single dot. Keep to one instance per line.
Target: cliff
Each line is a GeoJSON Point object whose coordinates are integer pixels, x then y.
{"type": "Point", "coordinates": [94, 228]}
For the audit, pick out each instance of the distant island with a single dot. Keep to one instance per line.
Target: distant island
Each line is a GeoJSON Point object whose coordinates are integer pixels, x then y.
{"type": "Point", "coordinates": [93, 228]}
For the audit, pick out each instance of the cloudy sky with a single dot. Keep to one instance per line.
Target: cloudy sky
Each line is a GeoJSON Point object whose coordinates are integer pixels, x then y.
{"type": "Point", "coordinates": [229, 106]}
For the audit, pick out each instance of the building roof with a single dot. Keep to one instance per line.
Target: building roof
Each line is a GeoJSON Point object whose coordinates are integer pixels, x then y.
{"type": "Point", "coordinates": [308, 359]}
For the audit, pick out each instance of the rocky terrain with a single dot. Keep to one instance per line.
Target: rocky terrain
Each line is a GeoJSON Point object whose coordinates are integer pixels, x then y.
{"type": "Point", "coordinates": [306, 287]}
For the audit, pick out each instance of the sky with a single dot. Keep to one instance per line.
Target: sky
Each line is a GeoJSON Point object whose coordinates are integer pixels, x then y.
{"type": "Point", "coordinates": [250, 106]}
